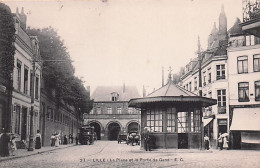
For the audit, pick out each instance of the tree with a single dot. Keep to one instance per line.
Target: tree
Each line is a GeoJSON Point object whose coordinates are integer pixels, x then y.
{"type": "Point", "coordinates": [60, 75]}
{"type": "Point", "coordinates": [7, 49]}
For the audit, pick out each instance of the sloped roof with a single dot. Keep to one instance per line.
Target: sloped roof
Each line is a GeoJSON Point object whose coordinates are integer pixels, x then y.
{"type": "Point", "coordinates": [236, 29]}
{"type": "Point", "coordinates": [170, 89]}
{"type": "Point", "coordinates": [171, 93]}
{"type": "Point", "coordinates": [103, 93]}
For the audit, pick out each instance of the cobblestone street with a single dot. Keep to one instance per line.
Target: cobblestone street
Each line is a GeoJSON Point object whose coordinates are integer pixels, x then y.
{"type": "Point", "coordinates": [111, 154]}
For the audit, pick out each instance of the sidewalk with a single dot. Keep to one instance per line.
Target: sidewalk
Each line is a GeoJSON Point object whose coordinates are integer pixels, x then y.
{"type": "Point", "coordinates": [20, 153]}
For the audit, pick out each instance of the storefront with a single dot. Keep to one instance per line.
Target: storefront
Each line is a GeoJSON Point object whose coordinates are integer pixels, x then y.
{"type": "Point", "coordinates": [245, 128]}
{"type": "Point", "coordinates": [173, 115]}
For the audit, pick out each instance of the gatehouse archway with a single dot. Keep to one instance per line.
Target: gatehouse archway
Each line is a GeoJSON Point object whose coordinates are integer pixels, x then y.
{"type": "Point", "coordinates": [133, 127]}
{"type": "Point", "coordinates": [113, 131]}
{"type": "Point", "coordinates": [97, 129]}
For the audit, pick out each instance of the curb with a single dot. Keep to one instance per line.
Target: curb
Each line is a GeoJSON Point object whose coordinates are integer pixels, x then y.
{"type": "Point", "coordinates": [31, 154]}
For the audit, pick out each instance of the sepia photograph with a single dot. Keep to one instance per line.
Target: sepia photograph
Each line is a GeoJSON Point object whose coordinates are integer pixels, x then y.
{"type": "Point", "coordinates": [129, 83]}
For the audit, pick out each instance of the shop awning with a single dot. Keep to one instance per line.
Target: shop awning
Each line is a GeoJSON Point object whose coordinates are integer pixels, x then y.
{"type": "Point", "coordinates": [207, 121]}
{"type": "Point", "coordinates": [246, 119]}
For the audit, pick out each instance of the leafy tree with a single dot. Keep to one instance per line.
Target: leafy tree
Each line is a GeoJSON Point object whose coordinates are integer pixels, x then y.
{"type": "Point", "coordinates": [7, 49]}
{"type": "Point", "coordinates": [58, 72]}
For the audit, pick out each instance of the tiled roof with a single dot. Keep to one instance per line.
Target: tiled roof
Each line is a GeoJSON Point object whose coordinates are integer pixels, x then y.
{"type": "Point", "coordinates": [170, 89]}
{"type": "Point", "coordinates": [103, 93]}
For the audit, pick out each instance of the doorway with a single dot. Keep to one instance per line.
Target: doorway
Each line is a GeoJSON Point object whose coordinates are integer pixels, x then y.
{"type": "Point", "coordinates": [24, 123]}
{"type": "Point", "coordinates": [133, 127]}
{"type": "Point", "coordinates": [182, 141]}
{"type": "Point", "coordinates": [113, 131]}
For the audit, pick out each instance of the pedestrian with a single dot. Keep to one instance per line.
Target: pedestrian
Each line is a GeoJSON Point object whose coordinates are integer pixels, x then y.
{"type": "Point", "coordinates": [57, 140]}
{"type": "Point", "coordinates": [206, 141]}
{"type": "Point", "coordinates": [77, 140]}
{"type": "Point", "coordinates": [13, 146]}
{"type": "Point", "coordinates": [65, 142]}
{"type": "Point", "coordinates": [4, 141]}
{"type": "Point", "coordinates": [38, 139]}
{"type": "Point", "coordinates": [147, 139]}
{"type": "Point", "coordinates": [225, 143]}
{"type": "Point", "coordinates": [53, 140]}
{"type": "Point", "coordinates": [220, 141]}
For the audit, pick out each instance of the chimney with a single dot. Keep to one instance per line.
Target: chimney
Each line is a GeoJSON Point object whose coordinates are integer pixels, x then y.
{"type": "Point", "coordinates": [23, 19]}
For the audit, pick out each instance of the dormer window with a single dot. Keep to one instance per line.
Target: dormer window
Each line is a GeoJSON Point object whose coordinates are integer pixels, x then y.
{"type": "Point", "coordinates": [115, 96]}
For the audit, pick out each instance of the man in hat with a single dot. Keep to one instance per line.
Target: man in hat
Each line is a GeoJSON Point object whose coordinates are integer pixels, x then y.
{"type": "Point", "coordinates": [4, 140]}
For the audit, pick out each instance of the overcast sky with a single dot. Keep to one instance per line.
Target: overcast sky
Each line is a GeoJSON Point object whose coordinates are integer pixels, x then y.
{"type": "Point", "coordinates": [112, 41]}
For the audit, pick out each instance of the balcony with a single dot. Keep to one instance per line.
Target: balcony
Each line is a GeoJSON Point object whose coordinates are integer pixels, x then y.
{"type": "Point", "coordinates": [221, 77]}
{"type": "Point", "coordinates": [251, 17]}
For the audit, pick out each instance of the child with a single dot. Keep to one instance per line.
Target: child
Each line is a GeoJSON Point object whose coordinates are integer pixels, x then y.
{"type": "Point", "coordinates": [13, 146]}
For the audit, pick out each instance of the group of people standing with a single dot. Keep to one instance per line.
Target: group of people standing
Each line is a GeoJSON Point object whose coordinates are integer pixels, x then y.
{"type": "Point", "coordinates": [57, 139]}
{"type": "Point", "coordinates": [222, 141]}
{"type": "Point", "coordinates": [8, 143]}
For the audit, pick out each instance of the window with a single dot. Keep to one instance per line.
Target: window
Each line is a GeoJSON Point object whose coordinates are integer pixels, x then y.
{"type": "Point", "coordinates": [257, 63]}
{"type": "Point", "coordinates": [154, 120]}
{"type": "Point", "coordinates": [250, 40]}
{"type": "Point", "coordinates": [17, 119]}
{"type": "Point", "coordinates": [220, 71]}
{"type": "Point", "coordinates": [119, 110]}
{"type": "Point", "coordinates": [25, 83]}
{"type": "Point", "coordinates": [130, 110]}
{"type": "Point", "coordinates": [257, 90]}
{"type": "Point", "coordinates": [31, 78]}
{"type": "Point", "coordinates": [49, 113]}
{"type": "Point", "coordinates": [115, 96]}
{"type": "Point", "coordinates": [19, 65]}
{"type": "Point", "coordinates": [209, 74]}
{"type": "Point", "coordinates": [221, 101]}
{"type": "Point", "coordinates": [195, 121]}
{"type": "Point", "coordinates": [195, 83]}
{"type": "Point", "coordinates": [204, 78]}
{"type": "Point", "coordinates": [109, 110]}
{"type": "Point", "coordinates": [98, 110]}
{"type": "Point", "coordinates": [171, 120]}
{"type": "Point", "coordinates": [190, 86]}
{"type": "Point", "coordinates": [182, 122]}
{"type": "Point", "coordinates": [37, 88]}
{"type": "Point", "coordinates": [243, 91]}
{"type": "Point", "coordinates": [242, 64]}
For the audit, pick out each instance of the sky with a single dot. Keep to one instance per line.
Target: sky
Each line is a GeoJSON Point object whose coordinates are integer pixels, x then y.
{"type": "Point", "coordinates": [112, 42]}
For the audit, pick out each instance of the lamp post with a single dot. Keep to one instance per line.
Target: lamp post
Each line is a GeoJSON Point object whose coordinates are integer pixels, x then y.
{"type": "Point", "coordinates": [200, 94]}
{"type": "Point", "coordinates": [30, 148]}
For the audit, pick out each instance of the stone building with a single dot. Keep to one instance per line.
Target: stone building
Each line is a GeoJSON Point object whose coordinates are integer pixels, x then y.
{"type": "Point", "coordinates": [57, 117]}
{"type": "Point", "coordinates": [214, 80]}
{"type": "Point", "coordinates": [111, 114]}
{"type": "Point", "coordinates": [26, 51]}
{"type": "Point", "coordinates": [244, 85]}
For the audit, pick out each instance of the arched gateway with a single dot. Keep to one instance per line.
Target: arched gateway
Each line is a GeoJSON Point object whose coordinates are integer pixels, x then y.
{"type": "Point", "coordinates": [97, 129]}
{"type": "Point", "coordinates": [113, 130]}
{"type": "Point", "coordinates": [133, 127]}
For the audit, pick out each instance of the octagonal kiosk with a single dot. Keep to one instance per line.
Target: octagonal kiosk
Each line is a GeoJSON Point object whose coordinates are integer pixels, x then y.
{"type": "Point", "coordinates": [174, 117]}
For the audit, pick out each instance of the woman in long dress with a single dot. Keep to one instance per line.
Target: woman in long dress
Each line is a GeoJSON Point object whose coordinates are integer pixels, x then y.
{"type": "Point", "coordinates": [57, 140]}
{"type": "Point", "coordinates": [38, 139]}
{"type": "Point", "coordinates": [225, 143]}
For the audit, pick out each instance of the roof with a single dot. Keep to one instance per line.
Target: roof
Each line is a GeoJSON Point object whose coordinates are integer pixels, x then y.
{"type": "Point", "coordinates": [236, 29]}
{"type": "Point", "coordinates": [172, 94]}
{"type": "Point", "coordinates": [170, 89]}
{"type": "Point", "coordinates": [103, 93]}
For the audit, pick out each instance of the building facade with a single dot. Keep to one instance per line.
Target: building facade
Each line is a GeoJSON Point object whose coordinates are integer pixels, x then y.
{"type": "Point", "coordinates": [26, 51]}
{"type": "Point", "coordinates": [214, 76]}
{"type": "Point", "coordinates": [110, 114]}
{"type": "Point", "coordinates": [244, 82]}
{"type": "Point", "coordinates": [57, 117]}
